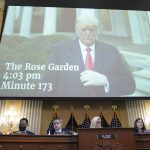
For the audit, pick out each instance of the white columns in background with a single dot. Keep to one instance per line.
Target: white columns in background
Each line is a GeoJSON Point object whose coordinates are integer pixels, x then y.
{"type": "Point", "coordinates": [148, 14]}
{"type": "Point", "coordinates": [9, 21]}
{"type": "Point", "coordinates": [118, 23]}
{"type": "Point", "coordinates": [49, 21]}
{"type": "Point", "coordinates": [80, 11]}
{"type": "Point", "coordinates": [138, 22]}
{"type": "Point", "coordinates": [139, 27]}
{"type": "Point", "coordinates": [26, 21]}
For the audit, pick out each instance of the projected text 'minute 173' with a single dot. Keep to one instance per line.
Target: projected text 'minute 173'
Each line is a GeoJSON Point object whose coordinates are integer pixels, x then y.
{"type": "Point", "coordinates": [11, 85]}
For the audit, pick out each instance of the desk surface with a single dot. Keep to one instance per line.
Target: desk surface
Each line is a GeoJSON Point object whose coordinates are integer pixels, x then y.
{"type": "Point", "coordinates": [142, 141]}
{"type": "Point", "coordinates": [40, 142]}
{"type": "Point", "coordinates": [38, 138]}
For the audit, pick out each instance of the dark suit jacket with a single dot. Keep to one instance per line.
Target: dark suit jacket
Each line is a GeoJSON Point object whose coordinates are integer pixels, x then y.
{"type": "Point", "coordinates": [108, 61]}
{"type": "Point", "coordinates": [29, 132]}
{"type": "Point", "coordinates": [23, 132]}
{"type": "Point", "coordinates": [63, 131]}
{"type": "Point", "coordinates": [137, 131]}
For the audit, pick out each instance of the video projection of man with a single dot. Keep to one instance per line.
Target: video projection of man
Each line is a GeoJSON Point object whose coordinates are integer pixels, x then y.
{"type": "Point", "coordinates": [100, 56]}
{"type": "Point", "coordinates": [86, 67]}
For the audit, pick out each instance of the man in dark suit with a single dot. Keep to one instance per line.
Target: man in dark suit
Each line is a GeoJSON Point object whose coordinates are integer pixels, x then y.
{"type": "Point", "coordinates": [58, 130]}
{"type": "Point", "coordinates": [23, 124]}
{"type": "Point", "coordinates": [86, 67]}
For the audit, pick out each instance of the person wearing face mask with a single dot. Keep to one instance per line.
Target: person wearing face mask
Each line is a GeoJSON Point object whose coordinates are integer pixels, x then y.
{"type": "Point", "coordinates": [139, 126]}
{"type": "Point", "coordinates": [23, 124]}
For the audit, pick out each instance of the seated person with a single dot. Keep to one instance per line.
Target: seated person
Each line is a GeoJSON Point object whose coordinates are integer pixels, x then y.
{"type": "Point", "coordinates": [22, 127]}
{"type": "Point", "coordinates": [139, 126]}
{"type": "Point", "coordinates": [57, 124]}
{"type": "Point", "coordinates": [96, 122]}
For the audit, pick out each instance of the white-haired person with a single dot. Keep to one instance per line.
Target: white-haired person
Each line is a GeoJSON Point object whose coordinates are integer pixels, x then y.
{"type": "Point", "coordinates": [86, 67]}
{"type": "Point", "coordinates": [96, 122]}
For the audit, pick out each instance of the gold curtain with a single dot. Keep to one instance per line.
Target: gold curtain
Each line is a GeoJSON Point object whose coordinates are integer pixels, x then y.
{"type": "Point", "coordinates": [2, 106]}
{"type": "Point", "coordinates": [136, 109]}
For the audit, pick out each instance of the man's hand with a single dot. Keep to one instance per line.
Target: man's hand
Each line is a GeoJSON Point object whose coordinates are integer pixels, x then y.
{"type": "Point", "coordinates": [92, 78]}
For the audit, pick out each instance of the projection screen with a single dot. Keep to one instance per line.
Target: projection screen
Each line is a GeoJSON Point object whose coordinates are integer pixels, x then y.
{"type": "Point", "coordinates": [42, 52]}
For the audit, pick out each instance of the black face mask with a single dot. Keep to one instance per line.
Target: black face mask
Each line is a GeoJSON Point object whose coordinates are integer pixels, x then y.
{"type": "Point", "coordinates": [22, 128]}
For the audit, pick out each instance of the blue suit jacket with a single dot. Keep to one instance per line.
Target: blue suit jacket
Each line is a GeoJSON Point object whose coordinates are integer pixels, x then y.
{"type": "Point", "coordinates": [63, 131]}
{"type": "Point", "coordinates": [108, 61]}
{"type": "Point", "coordinates": [29, 133]}
{"type": "Point", "coordinates": [23, 132]}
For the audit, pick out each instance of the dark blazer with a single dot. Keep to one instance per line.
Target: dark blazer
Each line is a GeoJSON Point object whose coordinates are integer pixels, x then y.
{"type": "Point", "coordinates": [63, 131]}
{"type": "Point", "coordinates": [137, 131]}
{"type": "Point", "coordinates": [29, 132]}
{"type": "Point", "coordinates": [23, 132]}
{"type": "Point", "coordinates": [108, 61]}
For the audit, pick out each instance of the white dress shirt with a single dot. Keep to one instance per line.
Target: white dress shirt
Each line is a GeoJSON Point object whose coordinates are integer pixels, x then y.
{"type": "Point", "coordinates": [84, 52]}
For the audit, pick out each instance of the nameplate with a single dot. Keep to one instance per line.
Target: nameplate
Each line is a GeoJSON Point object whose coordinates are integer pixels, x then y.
{"type": "Point", "coordinates": [106, 136]}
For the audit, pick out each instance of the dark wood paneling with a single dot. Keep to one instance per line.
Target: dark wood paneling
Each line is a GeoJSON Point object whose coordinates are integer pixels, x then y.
{"type": "Point", "coordinates": [22, 142]}
{"type": "Point", "coordinates": [112, 138]}
{"type": "Point", "coordinates": [142, 141]}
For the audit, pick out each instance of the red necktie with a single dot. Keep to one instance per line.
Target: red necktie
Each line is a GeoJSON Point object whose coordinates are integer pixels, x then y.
{"type": "Point", "coordinates": [88, 60]}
